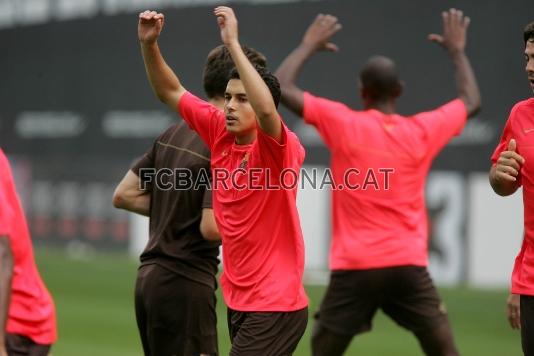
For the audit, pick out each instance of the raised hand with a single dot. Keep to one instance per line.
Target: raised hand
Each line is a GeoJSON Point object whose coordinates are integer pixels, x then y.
{"type": "Point", "coordinates": [454, 35]}
{"type": "Point", "coordinates": [509, 163]}
{"type": "Point", "coordinates": [150, 26]}
{"type": "Point", "coordinates": [228, 24]}
{"type": "Point", "coordinates": [318, 35]}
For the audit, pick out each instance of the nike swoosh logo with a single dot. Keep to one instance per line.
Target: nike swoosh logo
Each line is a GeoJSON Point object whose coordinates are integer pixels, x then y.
{"type": "Point", "coordinates": [528, 130]}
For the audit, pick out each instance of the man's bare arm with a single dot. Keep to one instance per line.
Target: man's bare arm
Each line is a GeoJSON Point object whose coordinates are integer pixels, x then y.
{"type": "Point", "coordinates": [163, 80]}
{"type": "Point", "coordinates": [258, 93]}
{"type": "Point", "coordinates": [208, 226]}
{"type": "Point", "coordinates": [454, 41]}
{"type": "Point", "coordinates": [316, 38]}
{"type": "Point", "coordinates": [129, 196]}
{"type": "Point", "coordinates": [513, 311]}
{"type": "Point", "coordinates": [6, 273]}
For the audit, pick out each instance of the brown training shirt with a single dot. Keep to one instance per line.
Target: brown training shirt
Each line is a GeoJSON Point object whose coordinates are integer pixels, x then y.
{"type": "Point", "coordinates": [176, 170]}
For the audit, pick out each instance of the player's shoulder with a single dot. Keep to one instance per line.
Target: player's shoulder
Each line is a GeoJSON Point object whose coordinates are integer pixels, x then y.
{"type": "Point", "coordinates": [3, 157]}
{"type": "Point", "coordinates": [455, 104]}
{"type": "Point", "coordinates": [523, 106]}
{"type": "Point", "coordinates": [168, 133]}
{"type": "Point", "coordinates": [4, 162]}
{"type": "Point", "coordinates": [181, 135]}
{"type": "Point", "coordinates": [520, 112]}
{"type": "Point", "coordinates": [314, 101]}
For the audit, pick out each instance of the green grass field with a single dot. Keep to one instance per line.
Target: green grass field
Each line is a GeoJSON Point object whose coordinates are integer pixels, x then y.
{"type": "Point", "coordinates": [94, 301]}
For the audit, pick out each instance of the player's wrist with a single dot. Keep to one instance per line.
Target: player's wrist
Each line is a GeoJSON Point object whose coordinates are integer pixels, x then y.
{"type": "Point", "coordinates": [232, 44]}
{"type": "Point", "coordinates": [456, 52]}
{"type": "Point", "coordinates": [308, 47]}
{"type": "Point", "coordinates": [149, 44]}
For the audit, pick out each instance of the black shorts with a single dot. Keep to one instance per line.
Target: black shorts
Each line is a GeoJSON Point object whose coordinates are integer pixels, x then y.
{"type": "Point", "coordinates": [404, 293]}
{"type": "Point", "coordinates": [527, 324]}
{"type": "Point", "coordinates": [175, 316]}
{"type": "Point", "coordinates": [266, 333]}
{"type": "Point", "coordinates": [19, 345]}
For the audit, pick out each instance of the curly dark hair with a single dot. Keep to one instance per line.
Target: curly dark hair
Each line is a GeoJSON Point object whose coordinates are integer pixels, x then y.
{"type": "Point", "coordinates": [218, 66]}
{"type": "Point", "coordinates": [528, 33]}
{"type": "Point", "coordinates": [268, 78]}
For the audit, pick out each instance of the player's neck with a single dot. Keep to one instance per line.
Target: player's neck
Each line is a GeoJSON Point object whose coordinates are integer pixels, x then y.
{"type": "Point", "coordinates": [246, 139]}
{"type": "Point", "coordinates": [386, 107]}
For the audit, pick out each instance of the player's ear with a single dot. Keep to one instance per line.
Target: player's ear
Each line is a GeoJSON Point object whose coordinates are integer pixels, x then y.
{"type": "Point", "coordinates": [399, 89]}
{"type": "Point", "coordinates": [361, 90]}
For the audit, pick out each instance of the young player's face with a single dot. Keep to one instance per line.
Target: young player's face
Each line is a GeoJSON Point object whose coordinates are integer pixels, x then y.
{"type": "Point", "coordinates": [529, 57]}
{"type": "Point", "coordinates": [240, 117]}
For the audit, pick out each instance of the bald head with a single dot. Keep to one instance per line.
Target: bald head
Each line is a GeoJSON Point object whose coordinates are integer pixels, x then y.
{"type": "Point", "coordinates": [379, 79]}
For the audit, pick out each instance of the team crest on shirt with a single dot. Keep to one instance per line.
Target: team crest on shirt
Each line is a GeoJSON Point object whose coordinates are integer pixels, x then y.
{"type": "Point", "coordinates": [244, 162]}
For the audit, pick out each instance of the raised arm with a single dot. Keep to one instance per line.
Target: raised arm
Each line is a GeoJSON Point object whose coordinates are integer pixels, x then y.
{"type": "Point", "coordinates": [316, 38]}
{"type": "Point", "coordinates": [258, 93]}
{"type": "Point", "coordinates": [164, 82]}
{"type": "Point", "coordinates": [6, 273]}
{"type": "Point", "coordinates": [453, 40]}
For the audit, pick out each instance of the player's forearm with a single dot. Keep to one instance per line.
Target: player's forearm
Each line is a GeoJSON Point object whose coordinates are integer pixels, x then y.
{"type": "Point", "coordinates": [163, 80]}
{"type": "Point", "coordinates": [287, 73]}
{"type": "Point", "coordinates": [500, 186]}
{"type": "Point", "coordinates": [208, 226]}
{"type": "Point", "coordinates": [466, 82]}
{"type": "Point", "coordinates": [258, 94]}
{"type": "Point", "coordinates": [135, 203]}
{"type": "Point", "coordinates": [141, 205]}
{"type": "Point", "coordinates": [6, 273]}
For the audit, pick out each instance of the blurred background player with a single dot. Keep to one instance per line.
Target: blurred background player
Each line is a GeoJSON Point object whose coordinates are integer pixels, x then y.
{"type": "Point", "coordinates": [179, 263]}
{"type": "Point", "coordinates": [379, 251]}
{"type": "Point", "coordinates": [263, 246]}
{"type": "Point", "coordinates": [512, 168]}
{"type": "Point", "coordinates": [27, 312]}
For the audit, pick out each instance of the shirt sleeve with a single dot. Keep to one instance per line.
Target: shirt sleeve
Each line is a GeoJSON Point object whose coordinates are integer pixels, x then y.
{"type": "Point", "coordinates": [144, 167]}
{"type": "Point", "coordinates": [439, 126]}
{"type": "Point", "coordinates": [278, 156]}
{"type": "Point", "coordinates": [202, 117]}
{"type": "Point", "coordinates": [506, 136]}
{"type": "Point", "coordinates": [329, 118]}
{"type": "Point", "coordinates": [207, 202]}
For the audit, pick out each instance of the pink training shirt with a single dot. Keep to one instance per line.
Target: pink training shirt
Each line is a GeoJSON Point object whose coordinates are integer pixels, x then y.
{"type": "Point", "coordinates": [31, 310]}
{"type": "Point", "coordinates": [520, 126]}
{"type": "Point", "coordinates": [382, 222]}
{"type": "Point", "coordinates": [263, 248]}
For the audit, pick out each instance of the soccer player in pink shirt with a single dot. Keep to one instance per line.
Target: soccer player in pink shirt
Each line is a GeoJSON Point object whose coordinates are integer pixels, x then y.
{"type": "Point", "coordinates": [379, 249]}
{"type": "Point", "coordinates": [27, 312]}
{"type": "Point", "coordinates": [512, 168]}
{"type": "Point", "coordinates": [263, 250]}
